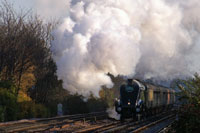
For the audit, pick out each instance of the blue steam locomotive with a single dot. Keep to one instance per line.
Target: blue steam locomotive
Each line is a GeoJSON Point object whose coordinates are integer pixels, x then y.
{"type": "Point", "coordinates": [139, 98]}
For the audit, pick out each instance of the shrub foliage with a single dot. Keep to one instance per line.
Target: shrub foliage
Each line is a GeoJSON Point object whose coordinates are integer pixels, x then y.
{"type": "Point", "coordinates": [189, 112]}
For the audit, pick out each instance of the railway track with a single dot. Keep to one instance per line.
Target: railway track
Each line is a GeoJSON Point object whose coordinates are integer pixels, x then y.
{"type": "Point", "coordinates": [135, 126]}
{"type": "Point", "coordinates": [130, 125]}
{"type": "Point", "coordinates": [139, 126]}
{"type": "Point", "coordinates": [153, 126]}
{"type": "Point", "coordinates": [50, 123]}
{"type": "Point", "coordinates": [92, 122]}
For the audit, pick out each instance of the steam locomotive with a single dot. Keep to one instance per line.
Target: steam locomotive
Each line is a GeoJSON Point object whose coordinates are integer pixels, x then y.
{"type": "Point", "coordinates": [143, 99]}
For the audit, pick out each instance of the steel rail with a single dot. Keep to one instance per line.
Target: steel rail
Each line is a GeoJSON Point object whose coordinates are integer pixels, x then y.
{"type": "Point", "coordinates": [167, 126]}
{"type": "Point", "coordinates": [132, 125]}
{"type": "Point", "coordinates": [49, 122]}
{"type": "Point", "coordinates": [144, 127]}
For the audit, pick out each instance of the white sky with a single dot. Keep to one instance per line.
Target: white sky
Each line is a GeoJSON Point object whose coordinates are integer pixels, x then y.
{"type": "Point", "coordinates": [46, 9]}
{"type": "Point", "coordinates": [21, 4]}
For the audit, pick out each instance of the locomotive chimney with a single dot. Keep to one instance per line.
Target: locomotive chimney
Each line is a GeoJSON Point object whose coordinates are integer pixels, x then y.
{"type": "Point", "coordinates": [129, 81]}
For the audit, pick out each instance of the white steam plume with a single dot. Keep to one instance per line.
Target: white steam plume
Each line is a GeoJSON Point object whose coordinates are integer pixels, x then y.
{"type": "Point", "coordinates": [145, 38]}
{"type": "Point", "coordinates": [113, 114]}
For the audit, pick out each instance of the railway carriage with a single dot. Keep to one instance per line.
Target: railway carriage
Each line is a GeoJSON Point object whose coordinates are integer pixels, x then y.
{"type": "Point", "coordinates": [143, 98]}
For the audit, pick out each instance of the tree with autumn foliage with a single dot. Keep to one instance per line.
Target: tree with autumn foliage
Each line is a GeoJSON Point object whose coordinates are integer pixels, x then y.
{"type": "Point", "coordinates": [25, 62]}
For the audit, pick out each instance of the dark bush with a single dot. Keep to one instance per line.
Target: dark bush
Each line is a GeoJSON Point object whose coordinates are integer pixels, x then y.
{"type": "Point", "coordinates": [27, 110]}
{"type": "Point", "coordinates": [189, 119]}
{"type": "Point", "coordinates": [75, 105]}
{"type": "Point", "coordinates": [8, 105]}
{"type": "Point", "coordinates": [96, 105]}
{"type": "Point", "coordinates": [41, 111]}
{"type": "Point", "coordinates": [31, 110]}
{"type": "Point", "coordinates": [189, 112]}
{"type": "Point", "coordinates": [52, 108]}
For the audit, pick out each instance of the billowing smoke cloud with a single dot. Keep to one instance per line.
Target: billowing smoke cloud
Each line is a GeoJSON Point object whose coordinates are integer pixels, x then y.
{"type": "Point", "coordinates": [144, 38]}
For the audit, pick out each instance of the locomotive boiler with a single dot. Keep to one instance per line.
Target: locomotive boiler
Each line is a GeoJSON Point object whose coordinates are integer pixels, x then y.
{"type": "Point", "coordinates": [144, 99]}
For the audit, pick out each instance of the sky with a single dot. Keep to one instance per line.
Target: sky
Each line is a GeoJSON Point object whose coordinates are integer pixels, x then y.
{"type": "Point", "coordinates": [21, 4]}
{"type": "Point", "coordinates": [45, 9]}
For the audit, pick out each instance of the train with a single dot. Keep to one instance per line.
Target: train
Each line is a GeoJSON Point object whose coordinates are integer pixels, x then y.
{"type": "Point", "coordinates": [143, 99]}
